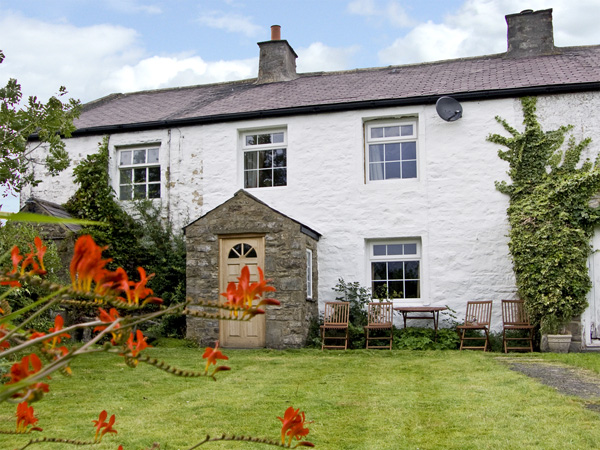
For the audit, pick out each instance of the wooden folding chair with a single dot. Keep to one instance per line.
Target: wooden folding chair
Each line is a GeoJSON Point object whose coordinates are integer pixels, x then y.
{"type": "Point", "coordinates": [380, 317]}
{"type": "Point", "coordinates": [335, 320]}
{"type": "Point", "coordinates": [478, 317]}
{"type": "Point", "coordinates": [515, 318]}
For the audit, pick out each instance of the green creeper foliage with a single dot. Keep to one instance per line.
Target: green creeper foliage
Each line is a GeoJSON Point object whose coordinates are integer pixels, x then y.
{"type": "Point", "coordinates": [551, 220]}
{"type": "Point", "coordinates": [17, 123]}
{"type": "Point", "coordinates": [142, 240]}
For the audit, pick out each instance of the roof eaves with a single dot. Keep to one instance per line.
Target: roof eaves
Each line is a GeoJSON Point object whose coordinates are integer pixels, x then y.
{"type": "Point", "coordinates": [346, 106]}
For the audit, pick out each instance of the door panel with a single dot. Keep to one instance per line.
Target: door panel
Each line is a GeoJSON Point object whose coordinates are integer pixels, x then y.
{"type": "Point", "coordinates": [235, 253]}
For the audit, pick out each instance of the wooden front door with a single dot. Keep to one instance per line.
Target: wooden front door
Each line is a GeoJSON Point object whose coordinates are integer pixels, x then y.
{"type": "Point", "coordinates": [235, 253]}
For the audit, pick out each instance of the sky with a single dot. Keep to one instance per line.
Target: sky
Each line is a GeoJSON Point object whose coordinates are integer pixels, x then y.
{"type": "Point", "coordinates": [98, 47]}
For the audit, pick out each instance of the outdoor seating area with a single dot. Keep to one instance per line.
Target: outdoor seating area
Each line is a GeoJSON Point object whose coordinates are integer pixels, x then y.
{"type": "Point", "coordinates": [473, 333]}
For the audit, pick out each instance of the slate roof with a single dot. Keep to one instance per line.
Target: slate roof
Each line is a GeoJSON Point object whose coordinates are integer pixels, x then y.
{"type": "Point", "coordinates": [569, 69]}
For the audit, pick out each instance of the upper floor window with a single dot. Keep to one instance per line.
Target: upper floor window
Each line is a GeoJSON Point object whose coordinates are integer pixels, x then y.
{"type": "Point", "coordinates": [139, 173]}
{"type": "Point", "coordinates": [265, 159]}
{"type": "Point", "coordinates": [396, 269]}
{"type": "Point", "coordinates": [391, 150]}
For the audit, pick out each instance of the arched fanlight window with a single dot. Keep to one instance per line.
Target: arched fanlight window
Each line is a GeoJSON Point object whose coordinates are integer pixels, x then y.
{"type": "Point", "coordinates": [242, 251]}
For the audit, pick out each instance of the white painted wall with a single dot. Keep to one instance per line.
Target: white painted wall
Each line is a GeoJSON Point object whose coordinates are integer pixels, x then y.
{"type": "Point", "coordinates": [453, 206]}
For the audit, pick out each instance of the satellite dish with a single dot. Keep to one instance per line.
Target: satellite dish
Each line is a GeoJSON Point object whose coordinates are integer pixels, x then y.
{"type": "Point", "coordinates": [448, 109]}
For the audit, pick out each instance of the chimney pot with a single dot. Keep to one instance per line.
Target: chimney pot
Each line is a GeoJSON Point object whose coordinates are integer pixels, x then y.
{"type": "Point", "coordinates": [275, 32]}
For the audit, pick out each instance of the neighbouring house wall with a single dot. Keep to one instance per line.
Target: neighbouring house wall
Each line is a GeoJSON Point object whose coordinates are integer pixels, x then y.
{"type": "Point", "coordinates": [452, 208]}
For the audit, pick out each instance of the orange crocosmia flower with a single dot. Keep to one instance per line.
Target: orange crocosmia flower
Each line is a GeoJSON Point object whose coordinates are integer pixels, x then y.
{"type": "Point", "coordinates": [58, 325]}
{"type": "Point", "coordinates": [3, 332]}
{"type": "Point", "coordinates": [293, 426]}
{"type": "Point", "coordinates": [21, 370]}
{"type": "Point", "coordinates": [103, 427]}
{"type": "Point", "coordinates": [136, 346]}
{"type": "Point", "coordinates": [16, 258]}
{"type": "Point", "coordinates": [25, 418]}
{"type": "Point", "coordinates": [134, 292]}
{"type": "Point", "coordinates": [107, 317]}
{"type": "Point", "coordinates": [234, 298]}
{"type": "Point", "coordinates": [211, 355]}
{"type": "Point", "coordinates": [41, 251]}
{"type": "Point", "coordinates": [87, 264]}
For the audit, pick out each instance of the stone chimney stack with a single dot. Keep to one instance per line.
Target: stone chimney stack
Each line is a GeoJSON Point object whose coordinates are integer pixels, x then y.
{"type": "Point", "coordinates": [530, 33]}
{"type": "Point", "coordinates": [277, 60]}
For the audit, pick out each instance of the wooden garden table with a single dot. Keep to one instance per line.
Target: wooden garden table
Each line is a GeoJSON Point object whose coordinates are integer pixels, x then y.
{"type": "Point", "coordinates": [422, 312]}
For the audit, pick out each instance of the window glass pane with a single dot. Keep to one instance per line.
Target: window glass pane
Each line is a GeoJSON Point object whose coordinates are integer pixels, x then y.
{"type": "Point", "coordinates": [264, 139]}
{"type": "Point", "coordinates": [395, 270]}
{"type": "Point", "coordinates": [409, 150]}
{"type": "Point", "coordinates": [394, 249]}
{"type": "Point", "coordinates": [406, 130]}
{"type": "Point", "coordinates": [392, 170]}
{"type": "Point", "coordinates": [410, 249]}
{"type": "Point", "coordinates": [139, 156]}
{"type": "Point", "coordinates": [154, 190]}
{"type": "Point", "coordinates": [251, 139]}
{"type": "Point", "coordinates": [250, 160]}
{"type": "Point", "coordinates": [277, 137]}
{"type": "Point", "coordinates": [153, 174]}
{"type": "Point", "coordinates": [265, 178]}
{"type": "Point", "coordinates": [265, 159]}
{"type": "Point", "coordinates": [409, 169]}
{"type": "Point", "coordinates": [392, 131]}
{"type": "Point", "coordinates": [377, 132]}
{"type": "Point", "coordinates": [279, 177]}
{"type": "Point", "coordinates": [139, 191]}
{"type": "Point", "coordinates": [379, 289]}
{"type": "Point", "coordinates": [378, 271]}
{"type": "Point", "coordinates": [125, 193]}
{"type": "Point", "coordinates": [250, 179]}
{"type": "Point", "coordinates": [152, 156]}
{"type": "Point", "coordinates": [376, 171]}
{"type": "Point", "coordinates": [376, 153]}
{"type": "Point", "coordinates": [125, 158]}
{"type": "Point", "coordinates": [392, 152]}
{"type": "Point", "coordinates": [412, 270]}
{"type": "Point", "coordinates": [411, 289]}
{"type": "Point", "coordinates": [279, 157]}
{"type": "Point", "coordinates": [125, 176]}
{"type": "Point", "coordinates": [395, 289]}
{"type": "Point", "coordinates": [139, 175]}
{"type": "Point", "coordinates": [379, 250]}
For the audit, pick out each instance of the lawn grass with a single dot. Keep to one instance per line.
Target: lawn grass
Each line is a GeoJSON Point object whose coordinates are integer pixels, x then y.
{"type": "Point", "coordinates": [356, 400]}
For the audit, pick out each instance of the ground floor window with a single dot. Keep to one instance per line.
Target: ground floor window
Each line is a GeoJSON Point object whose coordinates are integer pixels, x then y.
{"type": "Point", "coordinates": [396, 269]}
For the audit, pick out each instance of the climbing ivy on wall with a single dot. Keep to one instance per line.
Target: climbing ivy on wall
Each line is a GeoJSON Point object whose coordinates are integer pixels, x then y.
{"type": "Point", "coordinates": [143, 239]}
{"type": "Point", "coordinates": [551, 220]}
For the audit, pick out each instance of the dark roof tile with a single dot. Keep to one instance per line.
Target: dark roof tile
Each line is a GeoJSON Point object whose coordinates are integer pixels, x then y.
{"type": "Point", "coordinates": [571, 65]}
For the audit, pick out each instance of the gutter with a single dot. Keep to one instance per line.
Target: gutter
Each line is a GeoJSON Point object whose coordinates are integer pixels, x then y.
{"type": "Point", "coordinates": [339, 107]}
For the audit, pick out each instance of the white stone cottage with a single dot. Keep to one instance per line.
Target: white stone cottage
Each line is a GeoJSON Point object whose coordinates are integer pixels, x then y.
{"type": "Point", "coordinates": [350, 174]}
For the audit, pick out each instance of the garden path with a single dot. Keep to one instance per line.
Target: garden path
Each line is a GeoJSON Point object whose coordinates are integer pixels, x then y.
{"type": "Point", "coordinates": [567, 380]}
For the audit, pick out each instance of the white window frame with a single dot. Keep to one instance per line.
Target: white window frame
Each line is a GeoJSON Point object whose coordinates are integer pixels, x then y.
{"type": "Point", "coordinates": [309, 274]}
{"type": "Point", "coordinates": [252, 173]}
{"type": "Point", "coordinates": [146, 173]}
{"type": "Point", "coordinates": [405, 164]}
{"type": "Point", "coordinates": [394, 256]}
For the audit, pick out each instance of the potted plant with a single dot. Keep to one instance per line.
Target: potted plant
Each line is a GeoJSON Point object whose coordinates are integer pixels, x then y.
{"type": "Point", "coordinates": [555, 334]}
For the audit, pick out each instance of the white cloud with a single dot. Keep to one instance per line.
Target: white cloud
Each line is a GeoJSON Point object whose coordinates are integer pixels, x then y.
{"type": "Point", "coordinates": [133, 7]}
{"type": "Point", "coordinates": [479, 28]}
{"type": "Point", "coordinates": [232, 23]}
{"type": "Point", "coordinates": [319, 57]}
{"type": "Point", "coordinates": [160, 72]}
{"type": "Point", "coordinates": [391, 11]}
{"type": "Point", "coordinates": [44, 56]}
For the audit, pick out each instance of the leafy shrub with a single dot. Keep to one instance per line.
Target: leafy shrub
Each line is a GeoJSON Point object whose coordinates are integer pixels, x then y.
{"type": "Point", "coordinates": [412, 338]}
